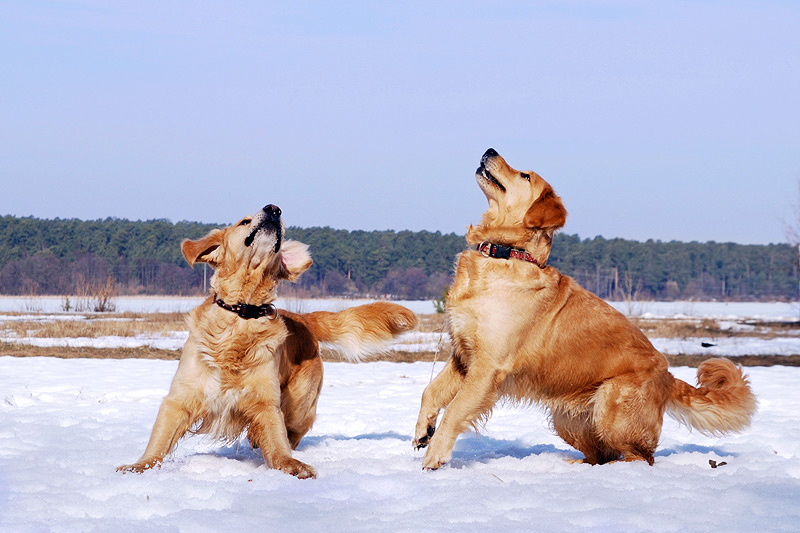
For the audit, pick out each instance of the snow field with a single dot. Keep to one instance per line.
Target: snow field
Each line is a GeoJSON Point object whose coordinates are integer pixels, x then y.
{"type": "Point", "coordinates": [66, 424]}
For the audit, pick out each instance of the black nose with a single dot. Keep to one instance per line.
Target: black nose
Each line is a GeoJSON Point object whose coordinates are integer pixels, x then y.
{"type": "Point", "coordinates": [490, 153]}
{"type": "Point", "coordinates": [273, 212]}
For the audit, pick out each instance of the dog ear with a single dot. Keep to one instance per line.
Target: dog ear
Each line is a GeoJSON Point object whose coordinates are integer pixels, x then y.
{"type": "Point", "coordinates": [202, 250]}
{"type": "Point", "coordinates": [295, 259]}
{"type": "Point", "coordinates": [546, 212]}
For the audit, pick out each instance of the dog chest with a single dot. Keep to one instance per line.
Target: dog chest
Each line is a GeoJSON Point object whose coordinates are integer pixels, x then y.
{"type": "Point", "coordinates": [230, 385]}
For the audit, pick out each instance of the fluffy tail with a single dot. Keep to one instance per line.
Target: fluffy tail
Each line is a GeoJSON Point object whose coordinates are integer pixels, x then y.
{"type": "Point", "coordinates": [722, 402]}
{"type": "Point", "coordinates": [363, 330]}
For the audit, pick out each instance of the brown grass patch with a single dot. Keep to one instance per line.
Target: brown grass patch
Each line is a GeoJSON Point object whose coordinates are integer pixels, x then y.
{"type": "Point", "coordinates": [682, 328]}
{"type": "Point", "coordinates": [744, 360]}
{"type": "Point", "coordinates": [122, 325]}
{"type": "Point", "coordinates": [68, 352]}
{"type": "Point", "coordinates": [435, 322]}
{"type": "Point", "coordinates": [678, 328]}
{"type": "Point", "coordinates": [23, 350]}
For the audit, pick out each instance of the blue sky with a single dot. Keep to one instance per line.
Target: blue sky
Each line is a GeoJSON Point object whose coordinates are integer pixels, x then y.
{"type": "Point", "coordinates": [662, 120]}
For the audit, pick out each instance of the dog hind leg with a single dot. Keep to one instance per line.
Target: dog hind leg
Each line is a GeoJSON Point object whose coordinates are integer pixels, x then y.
{"type": "Point", "coordinates": [577, 430]}
{"type": "Point", "coordinates": [628, 414]}
{"type": "Point", "coordinates": [299, 400]}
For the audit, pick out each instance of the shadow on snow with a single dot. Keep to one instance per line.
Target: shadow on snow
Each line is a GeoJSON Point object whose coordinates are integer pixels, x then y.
{"type": "Point", "coordinates": [468, 448]}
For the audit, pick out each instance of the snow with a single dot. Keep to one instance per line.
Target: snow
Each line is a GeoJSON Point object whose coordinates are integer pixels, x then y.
{"type": "Point", "coordinates": [177, 304]}
{"type": "Point", "coordinates": [644, 309]}
{"type": "Point", "coordinates": [165, 341]}
{"type": "Point", "coordinates": [66, 424]}
{"type": "Point", "coordinates": [718, 310]}
{"type": "Point", "coordinates": [728, 346]}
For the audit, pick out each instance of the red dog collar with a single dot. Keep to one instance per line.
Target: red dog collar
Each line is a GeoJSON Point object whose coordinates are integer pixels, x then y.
{"type": "Point", "coordinates": [498, 251]}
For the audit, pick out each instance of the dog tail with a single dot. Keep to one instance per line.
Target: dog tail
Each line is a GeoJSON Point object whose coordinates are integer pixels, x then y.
{"type": "Point", "coordinates": [721, 403]}
{"type": "Point", "coordinates": [361, 331]}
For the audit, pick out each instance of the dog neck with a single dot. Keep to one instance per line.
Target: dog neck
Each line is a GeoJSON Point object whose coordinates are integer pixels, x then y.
{"type": "Point", "coordinates": [248, 311]}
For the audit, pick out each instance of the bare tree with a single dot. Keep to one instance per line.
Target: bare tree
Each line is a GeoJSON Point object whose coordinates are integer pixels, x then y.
{"type": "Point", "coordinates": [792, 229]}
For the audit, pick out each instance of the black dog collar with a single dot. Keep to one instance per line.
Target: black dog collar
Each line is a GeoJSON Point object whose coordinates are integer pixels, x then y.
{"type": "Point", "coordinates": [248, 311]}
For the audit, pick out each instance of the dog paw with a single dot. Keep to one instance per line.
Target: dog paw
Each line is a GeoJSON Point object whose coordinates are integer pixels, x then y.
{"type": "Point", "coordinates": [138, 468]}
{"type": "Point", "coordinates": [438, 455]}
{"type": "Point", "coordinates": [422, 441]}
{"type": "Point", "coordinates": [297, 468]}
{"type": "Point", "coordinates": [433, 461]}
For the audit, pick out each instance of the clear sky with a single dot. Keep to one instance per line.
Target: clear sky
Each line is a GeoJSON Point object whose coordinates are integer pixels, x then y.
{"type": "Point", "coordinates": [664, 120]}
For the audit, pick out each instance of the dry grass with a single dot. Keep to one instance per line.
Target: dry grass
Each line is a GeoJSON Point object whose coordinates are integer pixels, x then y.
{"type": "Point", "coordinates": [119, 325]}
{"type": "Point", "coordinates": [433, 323]}
{"type": "Point", "coordinates": [672, 328]}
{"type": "Point", "coordinates": [68, 352]}
{"type": "Point", "coordinates": [133, 324]}
{"type": "Point", "coordinates": [677, 328]}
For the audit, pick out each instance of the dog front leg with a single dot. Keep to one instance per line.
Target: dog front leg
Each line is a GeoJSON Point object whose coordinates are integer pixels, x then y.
{"type": "Point", "coordinates": [173, 421]}
{"type": "Point", "coordinates": [476, 397]}
{"type": "Point", "coordinates": [437, 395]}
{"type": "Point", "coordinates": [268, 431]}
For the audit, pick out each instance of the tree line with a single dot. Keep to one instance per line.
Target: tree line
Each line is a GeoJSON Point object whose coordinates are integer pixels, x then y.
{"type": "Point", "coordinates": [68, 256]}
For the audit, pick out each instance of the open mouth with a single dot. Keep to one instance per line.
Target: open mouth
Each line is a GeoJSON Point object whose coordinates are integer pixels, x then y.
{"type": "Point", "coordinates": [488, 176]}
{"type": "Point", "coordinates": [265, 225]}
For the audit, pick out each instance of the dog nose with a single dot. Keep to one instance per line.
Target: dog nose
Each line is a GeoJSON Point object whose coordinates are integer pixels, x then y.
{"type": "Point", "coordinates": [273, 211]}
{"type": "Point", "coordinates": [490, 153]}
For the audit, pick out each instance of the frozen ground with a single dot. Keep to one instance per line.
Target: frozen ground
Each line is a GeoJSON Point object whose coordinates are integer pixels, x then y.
{"type": "Point", "coordinates": [417, 341]}
{"type": "Point", "coordinates": [177, 304]}
{"type": "Point", "coordinates": [66, 424]}
{"type": "Point", "coordinates": [169, 304]}
{"type": "Point", "coordinates": [729, 314]}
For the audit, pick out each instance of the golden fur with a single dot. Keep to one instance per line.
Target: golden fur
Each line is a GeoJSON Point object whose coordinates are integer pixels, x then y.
{"type": "Point", "coordinates": [525, 332]}
{"type": "Point", "coordinates": [259, 375]}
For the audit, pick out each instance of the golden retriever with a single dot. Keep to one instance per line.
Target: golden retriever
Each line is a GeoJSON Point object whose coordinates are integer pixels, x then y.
{"type": "Point", "coordinates": [248, 366]}
{"type": "Point", "coordinates": [522, 331]}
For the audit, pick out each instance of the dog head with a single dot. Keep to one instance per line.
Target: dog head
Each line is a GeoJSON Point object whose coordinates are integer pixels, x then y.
{"type": "Point", "coordinates": [524, 211]}
{"type": "Point", "coordinates": [250, 258]}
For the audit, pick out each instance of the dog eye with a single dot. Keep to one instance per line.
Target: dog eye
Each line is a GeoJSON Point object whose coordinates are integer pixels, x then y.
{"type": "Point", "coordinates": [525, 176]}
{"type": "Point", "coordinates": [245, 222]}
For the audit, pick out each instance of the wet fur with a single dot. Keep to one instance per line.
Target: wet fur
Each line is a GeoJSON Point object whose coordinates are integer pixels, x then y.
{"type": "Point", "coordinates": [530, 334]}
{"type": "Point", "coordinates": [258, 376]}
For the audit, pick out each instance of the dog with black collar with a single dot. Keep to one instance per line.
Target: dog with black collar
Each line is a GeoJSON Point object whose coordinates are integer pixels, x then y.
{"type": "Point", "coordinates": [248, 367]}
